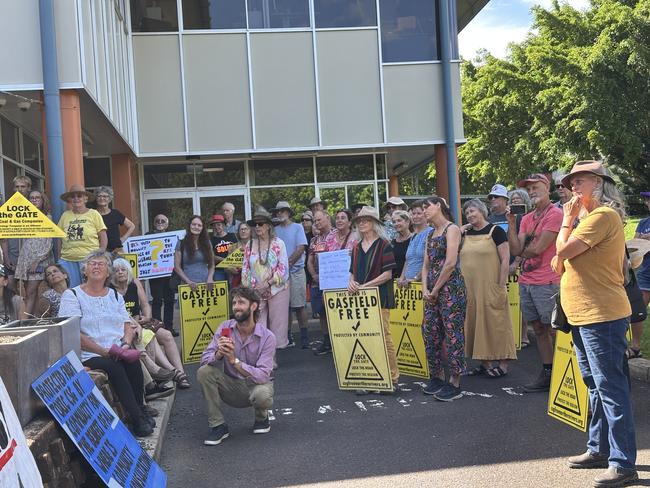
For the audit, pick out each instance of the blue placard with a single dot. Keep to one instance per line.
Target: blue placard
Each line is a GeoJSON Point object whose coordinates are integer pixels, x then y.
{"type": "Point", "coordinates": [79, 407]}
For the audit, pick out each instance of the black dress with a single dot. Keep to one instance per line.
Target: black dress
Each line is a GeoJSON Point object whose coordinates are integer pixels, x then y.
{"type": "Point", "coordinates": [399, 250]}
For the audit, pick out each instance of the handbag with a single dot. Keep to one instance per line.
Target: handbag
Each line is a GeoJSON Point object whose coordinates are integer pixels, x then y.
{"type": "Point", "coordinates": [559, 320]}
{"type": "Point", "coordinates": [635, 296]}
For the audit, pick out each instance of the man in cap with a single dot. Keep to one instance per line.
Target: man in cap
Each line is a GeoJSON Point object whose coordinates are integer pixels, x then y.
{"type": "Point", "coordinates": [295, 242]}
{"type": "Point", "coordinates": [232, 224]}
{"type": "Point", "coordinates": [392, 204]}
{"type": "Point", "coordinates": [316, 204]}
{"type": "Point", "coordinates": [498, 203]}
{"type": "Point", "coordinates": [221, 242]}
{"type": "Point", "coordinates": [562, 191]}
{"type": "Point", "coordinates": [538, 283]}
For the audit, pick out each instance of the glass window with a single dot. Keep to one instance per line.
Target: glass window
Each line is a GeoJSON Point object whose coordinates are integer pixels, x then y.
{"type": "Point", "coordinates": [361, 194]}
{"type": "Point", "coordinates": [168, 176]}
{"type": "Point", "coordinates": [345, 168]}
{"type": "Point", "coordinates": [380, 159]}
{"type": "Point", "coordinates": [9, 139]}
{"type": "Point", "coordinates": [278, 14]}
{"type": "Point", "coordinates": [345, 13]}
{"type": "Point", "coordinates": [281, 171]}
{"type": "Point", "coordinates": [334, 198]}
{"type": "Point", "coordinates": [177, 210]}
{"type": "Point", "coordinates": [297, 196]}
{"type": "Point", "coordinates": [10, 171]}
{"type": "Point", "coordinates": [220, 174]}
{"type": "Point", "coordinates": [408, 30]}
{"type": "Point", "coordinates": [382, 192]}
{"type": "Point", "coordinates": [214, 14]}
{"type": "Point", "coordinates": [97, 172]}
{"type": "Point", "coordinates": [31, 153]}
{"type": "Point", "coordinates": [154, 16]}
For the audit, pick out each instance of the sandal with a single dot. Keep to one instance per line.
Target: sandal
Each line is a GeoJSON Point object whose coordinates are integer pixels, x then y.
{"type": "Point", "coordinates": [181, 380]}
{"type": "Point", "coordinates": [496, 372]}
{"type": "Point", "coordinates": [634, 353]}
{"type": "Point", "coordinates": [478, 371]}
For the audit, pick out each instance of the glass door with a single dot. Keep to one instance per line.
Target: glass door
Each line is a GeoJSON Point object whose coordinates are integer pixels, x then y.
{"type": "Point", "coordinates": [209, 203]}
{"type": "Point", "coordinates": [177, 207]}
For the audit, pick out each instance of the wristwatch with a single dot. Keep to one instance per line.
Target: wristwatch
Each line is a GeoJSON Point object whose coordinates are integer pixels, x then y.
{"type": "Point", "coordinates": [237, 361]}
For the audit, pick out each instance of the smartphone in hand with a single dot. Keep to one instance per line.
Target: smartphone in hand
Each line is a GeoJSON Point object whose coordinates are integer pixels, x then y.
{"type": "Point", "coordinates": [225, 332]}
{"type": "Point", "coordinates": [518, 209]}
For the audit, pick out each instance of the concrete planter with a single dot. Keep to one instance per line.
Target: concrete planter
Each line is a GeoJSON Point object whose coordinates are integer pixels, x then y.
{"type": "Point", "coordinates": [62, 332]}
{"type": "Point", "coordinates": [21, 362]}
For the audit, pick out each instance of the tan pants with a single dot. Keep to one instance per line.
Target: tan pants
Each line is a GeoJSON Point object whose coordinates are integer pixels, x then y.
{"type": "Point", "coordinates": [217, 386]}
{"type": "Point", "coordinates": [390, 347]}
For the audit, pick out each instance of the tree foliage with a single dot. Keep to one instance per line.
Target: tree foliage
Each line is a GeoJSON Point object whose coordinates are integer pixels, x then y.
{"type": "Point", "coordinates": [578, 87]}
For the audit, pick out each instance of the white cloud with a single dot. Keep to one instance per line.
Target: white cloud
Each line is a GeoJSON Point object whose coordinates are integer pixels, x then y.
{"type": "Point", "coordinates": [494, 38]}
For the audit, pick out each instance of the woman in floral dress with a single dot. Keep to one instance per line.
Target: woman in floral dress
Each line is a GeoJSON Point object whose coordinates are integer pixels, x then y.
{"type": "Point", "coordinates": [445, 300]}
{"type": "Point", "coordinates": [266, 268]}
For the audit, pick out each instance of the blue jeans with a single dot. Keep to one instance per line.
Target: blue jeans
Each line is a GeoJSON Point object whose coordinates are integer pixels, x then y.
{"type": "Point", "coordinates": [600, 349]}
{"type": "Point", "coordinates": [73, 270]}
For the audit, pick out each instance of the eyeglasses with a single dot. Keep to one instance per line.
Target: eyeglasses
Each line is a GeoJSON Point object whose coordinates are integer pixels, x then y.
{"type": "Point", "coordinates": [558, 186]}
{"type": "Point", "coordinates": [97, 264]}
{"type": "Point", "coordinates": [102, 196]}
{"type": "Point", "coordinates": [260, 224]}
{"type": "Point", "coordinates": [306, 220]}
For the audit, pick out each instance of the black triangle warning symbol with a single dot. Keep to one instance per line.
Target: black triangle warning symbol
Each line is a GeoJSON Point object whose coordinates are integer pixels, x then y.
{"type": "Point", "coordinates": [567, 394]}
{"type": "Point", "coordinates": [406, 355]}
{"type": "Point", "coordinates": [202, 343]}
{"type": "Point", "coordinates": [361, 366]}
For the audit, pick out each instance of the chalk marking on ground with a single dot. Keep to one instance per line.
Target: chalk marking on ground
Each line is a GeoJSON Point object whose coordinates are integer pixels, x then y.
{"type": "Point", "coordinates": [361, 406]}
{"type": "Point", "coordinates": [511, 391]}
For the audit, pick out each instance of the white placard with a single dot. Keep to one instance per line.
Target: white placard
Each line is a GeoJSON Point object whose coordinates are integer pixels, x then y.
{"type": "Point", "coordinates": [333, 269]}
{"type": "Point", "coordinates": [17, 465]}
{"type": "Point", "coordinates": [155, 253]}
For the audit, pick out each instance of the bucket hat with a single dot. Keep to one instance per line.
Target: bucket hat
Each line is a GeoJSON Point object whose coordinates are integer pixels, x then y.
{"type": "Point", "coordinates": [592, 167]}
{"type": "Point", "coordinates": [77, 189]}
{"type": "Point", "coordinates": [368, 211]}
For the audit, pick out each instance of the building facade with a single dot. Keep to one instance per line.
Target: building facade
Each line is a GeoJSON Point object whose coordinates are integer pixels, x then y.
{"type": "Point", "coordinates": [184, 104]}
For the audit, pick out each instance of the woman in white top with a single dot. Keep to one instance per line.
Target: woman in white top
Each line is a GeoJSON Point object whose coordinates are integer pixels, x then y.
{"type": "Point", "coordinates": [107, 335]}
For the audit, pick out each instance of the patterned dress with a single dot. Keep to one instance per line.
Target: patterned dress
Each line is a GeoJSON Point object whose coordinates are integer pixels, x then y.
{"type": "Point", "coordinates": [444, 318]}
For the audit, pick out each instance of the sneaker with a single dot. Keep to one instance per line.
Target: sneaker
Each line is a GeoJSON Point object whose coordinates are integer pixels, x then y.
{"type": "Point", "coordinates": [262, 426]}
{"type": "Point", "coordinates": [141, 427]}
{"type": "Point", "coordinates": [542, 383]}
{"type": "Point", "coordinates": [588, 460]}
{"type": "Point", "coordinates": [615, 477]}
{"type": "Point", "coordinates": [158, 391]}
{"type": "Point", "coordinates": [163, 375]}
{"type": "Point", "coordinates": [323, 349]}
{"type": "Point", "coordinates": [434, 386]}
{"type": "Point", "coordinates": [448, 393]}
{"type": "Point", "coordinates": [216, 435]}
{"type": "Point", "coordinates": [291, 343]}
{"type": "Point", "coordinates": [148, 418]}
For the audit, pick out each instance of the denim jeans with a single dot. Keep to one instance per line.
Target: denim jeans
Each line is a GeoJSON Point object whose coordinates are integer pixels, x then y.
{"type": "Point", "coordinates": [73, 270]}
{"type": "Point", "coordinates": [600, 349]}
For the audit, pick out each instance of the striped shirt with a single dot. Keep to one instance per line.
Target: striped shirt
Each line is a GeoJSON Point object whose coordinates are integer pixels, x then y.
{"type": "Point", "coordinates": [367, 266]}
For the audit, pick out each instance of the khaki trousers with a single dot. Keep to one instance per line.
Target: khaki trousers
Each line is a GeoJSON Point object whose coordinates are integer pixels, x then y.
{"type": "Point", "coordinates": [218, 387]}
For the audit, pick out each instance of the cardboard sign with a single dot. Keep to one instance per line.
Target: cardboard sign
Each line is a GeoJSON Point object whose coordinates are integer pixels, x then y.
{"type": "Point", "coordinates": [202, 312]}
{"type": "Point", "coordinates": [358, 346]}
{"type": "Point", "coordinates": [155, 253]}
{"type": "Point", "coordinates": [20, 218]}
{"type": "Point", "coordinates": [515, 308]}
{"type": "Point", "coordinates": [17, 465]}
{"type": "Point", "coordinates": [133, 261]}
{"type": "Point", "coordinates": [233, 260]}
{"type": "Point", "coordinates": [568, 399]}
{"type": "Point", "coordinates": [406, 329]}
{"type": "Point", "coordinates": [333, 269]}
{"type": "Point", "coordinates": [79, 407]}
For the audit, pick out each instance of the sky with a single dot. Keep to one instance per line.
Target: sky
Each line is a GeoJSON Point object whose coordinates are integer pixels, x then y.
{"type": "Point", "coordinates": [501, 22]}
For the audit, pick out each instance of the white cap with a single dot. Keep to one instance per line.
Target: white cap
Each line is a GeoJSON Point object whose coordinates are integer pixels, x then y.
{"type": "Point", "coordinates": [499, 191]}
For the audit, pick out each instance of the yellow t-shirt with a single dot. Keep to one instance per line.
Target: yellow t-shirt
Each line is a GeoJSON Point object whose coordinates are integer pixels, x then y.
{"type": "Point", "coordinates": [592, 285]}
{"type": "Point", "coordinates": [81, 233]}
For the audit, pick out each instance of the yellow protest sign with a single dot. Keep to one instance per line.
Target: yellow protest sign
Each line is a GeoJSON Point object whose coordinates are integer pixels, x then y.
{"type": "Point", "coordinates": [202, 312]}
{"type": "Point", "coordinates": [20, 218]}
{"type": "Point", "coordinates": [357, 336]}
{"type": "Point", "coordinates": [568, 396]}
{"type": "Point", "coordinates": [406, 329]}
{"type": "Point", "coordinates": [133, 261]}
{"type": "Point", "coordinates": [515, 308]}
{"type": "Point", "coordinates": [233, 260]}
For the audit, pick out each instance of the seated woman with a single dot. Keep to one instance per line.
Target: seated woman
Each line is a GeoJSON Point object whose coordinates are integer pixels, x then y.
{"type": "Point", "coordinates": [163, 361]}
{"type": "Point", "coordinates": [107, 336]}
{"type": "Point", "coordinates": [58, 282]}
{"type": "Point", "coordinates": [12, 306]}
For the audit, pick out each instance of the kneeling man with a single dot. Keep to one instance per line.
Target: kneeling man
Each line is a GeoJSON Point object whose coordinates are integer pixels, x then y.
{"type": "Point", "coordinates": [236, 367]}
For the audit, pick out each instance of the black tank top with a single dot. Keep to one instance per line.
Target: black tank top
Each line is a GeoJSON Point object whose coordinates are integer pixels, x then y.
{"type": "Point", "coordinates": [131, 300]}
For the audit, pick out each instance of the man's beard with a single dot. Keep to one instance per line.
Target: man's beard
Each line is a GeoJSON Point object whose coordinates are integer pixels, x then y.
{"type": "Point", "coordinates": [242, 317]}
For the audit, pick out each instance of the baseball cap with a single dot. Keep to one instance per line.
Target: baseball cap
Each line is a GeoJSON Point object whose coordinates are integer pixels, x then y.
{"type": "Point", "coordinates": [534, 178]}
{"type": "Point", "coordinates": [498, 191]}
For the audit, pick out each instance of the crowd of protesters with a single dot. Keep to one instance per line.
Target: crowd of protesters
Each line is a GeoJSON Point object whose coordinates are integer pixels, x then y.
{"type": "Point", "coordinates": [573, 249]}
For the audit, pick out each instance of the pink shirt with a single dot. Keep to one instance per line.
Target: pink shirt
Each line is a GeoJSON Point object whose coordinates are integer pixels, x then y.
{"type": "Point", "coordinates": [537, 270]}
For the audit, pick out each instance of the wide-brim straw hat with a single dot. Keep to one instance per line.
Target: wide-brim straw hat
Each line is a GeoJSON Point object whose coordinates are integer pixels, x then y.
{"type": "Point", "coordinates": [282, 205]}
{"type": "Point", "coordinates": [592, 167]}
{"type": "Point", "coordinates": [77, 189]}
{"type": "Point", "coordinates": [368, 211]}
{"type": "Point", "coordinates": [396, 201]}
{"type": "Point", "coordinates": [637, 248]}
{"type": "Point", "coordinates": [260, 217]}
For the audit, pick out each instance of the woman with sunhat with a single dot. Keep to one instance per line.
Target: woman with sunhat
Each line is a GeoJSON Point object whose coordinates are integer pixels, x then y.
{"type": "Point", "coordinates": [266, 269]}
{"type": "Point", "coordinates": [590, 258]}
{"type": "Point", "coordinates": [85, 232]}
{"type": "Point", "coordinates": [372, 266]}
{"type": "Point", "coordinates": [642, 277]}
